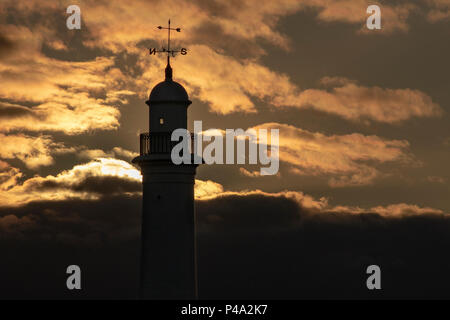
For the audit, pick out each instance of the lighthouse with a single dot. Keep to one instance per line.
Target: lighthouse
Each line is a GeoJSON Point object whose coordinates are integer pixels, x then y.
{"type": "Point", "coordinates": [168, 257]}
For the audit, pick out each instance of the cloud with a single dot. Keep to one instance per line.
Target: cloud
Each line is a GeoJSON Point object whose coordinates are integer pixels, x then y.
{"type": "Point", "coordinates": [108, 176]}
{"type": "Point", "coordinates": [248, 247]}
{"type": "Point", "coordinates": [93, 154]}
{"type": "Point", "coordinates": [439, 10]}
{"type": "Point", "coordinates": [6, 46]}
{"type": "Point", "coordinates": [322, 206]}
{"type": "Point", "coordinates": [127, 154]}
{"type": "Point", "coordinates": [335, 81]}
{"type": "Point", "coordinates": [392, 211]}
{"type": "Point", "coordinates": [394, 17]}
{"type": "Point", "coordinates": [345, 160]}
{"type": "Point", "coordinates": [234, 85]}
{"type": "Point", "coordinates": [9, 176]}
{"type": "Point", "coordinates": [358, 103]}
{"type": "Point", "coordinates": [251, 174]}
{"type": "Point", "coordinates": [230, 87]}
{"type": "Point", "coordinates": [250, 243]}
{"type": "Point", "coordinates": [93, 180]}
{"type": "Point", "coordinates": [11, 111]}
{"type": "Point", "coordinates": [250, 20]}
{"type": "Point", "coordinates": [247, 21]}
{"type": "Point", "coordinates": [437, 179]}
{"type": "Point", "coordinates": [207, 189]}
{"type": "Point", "coordinates": [107, 180]}
{"type": "Point", "coordinates": [12, 223]}
{"type": "Point", "coordinates": [272, 248]}
{"type": "Point", "coordinates": [33, 151]}
{"type": "Point", "coordinates": [39, 151]}
{"type": "Point", "coordinates": [82, 96]}
{"type": "Point", "coordinates": [279, 244]}
{"type": "Point", "coordinates": [56, 95]}
{"type": "Point", "coordinates": [348, 160]}
{"type": "Point", "coordinates": [115, 152]}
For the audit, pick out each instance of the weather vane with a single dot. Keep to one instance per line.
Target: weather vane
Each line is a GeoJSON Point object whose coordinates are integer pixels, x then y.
{"type": "Point", "coordinates": [169, 51]}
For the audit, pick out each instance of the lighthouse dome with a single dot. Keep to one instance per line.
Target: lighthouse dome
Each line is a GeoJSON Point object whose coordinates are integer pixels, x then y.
{"type": "Point", "coordinates": [168, 90]}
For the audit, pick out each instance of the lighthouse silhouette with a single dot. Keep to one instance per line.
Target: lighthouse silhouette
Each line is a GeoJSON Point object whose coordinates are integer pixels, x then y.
{"type": "Point", "coordinates": [168, 257]}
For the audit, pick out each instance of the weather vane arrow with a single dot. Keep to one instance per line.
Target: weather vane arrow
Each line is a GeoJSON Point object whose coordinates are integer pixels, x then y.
{"type": "Point", "coordinates": [169, 51]}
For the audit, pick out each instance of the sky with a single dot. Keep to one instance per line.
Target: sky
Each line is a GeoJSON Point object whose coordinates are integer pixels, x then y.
{"type": "Point", "coordinates": [364, 144]}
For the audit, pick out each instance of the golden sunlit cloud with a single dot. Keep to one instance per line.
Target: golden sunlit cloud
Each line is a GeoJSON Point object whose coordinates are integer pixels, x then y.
{"type": "Point", "coordinates": [348, 160]}
{"type": "Point", "coordinates": [393, 210]}
{"type": "Point", "coordinates": [230, 87]}
{"type": "Point", "coordinates": [358, 103]}
{"type": "Point", "coordinates": [9, 176]}
{"type": "Point", "coordinates": [56, 95]}
{"type": "Point", "coordinates": [106, 176]}
{"type": "Point", "coordinates": [78, 96]}
{"type": "Point", "coordinates": [249, 20]}
{"type": "Point", "coordinates": [233, 85]}
{"type": "Point", "coordinates": [115, 152]}
{"type": "Point", "coordinates": [394, 17]}
{"type": "Point", "coordinates": [89, 181]}
{"type": "Point", "coordinates": [33, 151]}
{"type": "Point", "coordinates": [207, 189]}
{"type": "Point", "coordinates": [84, 181]}
{"type": "Point", "coordinates": [251, 174]}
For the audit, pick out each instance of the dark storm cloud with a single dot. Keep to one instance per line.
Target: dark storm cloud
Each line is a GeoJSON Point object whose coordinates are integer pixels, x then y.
{"type": "Point", "coordinates": [99, 236]}
{"type": "Point", "coordinates": [107, 185]}
{"type": "Point", "coordinates": [103, 185]}
{"type": "Point", "coordinates": [318, 255]}
{"type": "Point", "coordinates": [252, 212]}
{"type": "Point", "coordinates": [255, 246]}
{"type": "Point", "coordinates": [77, 222]}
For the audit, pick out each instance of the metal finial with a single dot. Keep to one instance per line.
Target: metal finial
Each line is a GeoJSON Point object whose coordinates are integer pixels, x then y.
{"type": "Point", "coordinates": [168, 71]}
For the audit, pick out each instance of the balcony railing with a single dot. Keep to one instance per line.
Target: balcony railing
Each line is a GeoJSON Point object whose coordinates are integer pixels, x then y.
{"type": "Point", "coordinates": [158, 143]}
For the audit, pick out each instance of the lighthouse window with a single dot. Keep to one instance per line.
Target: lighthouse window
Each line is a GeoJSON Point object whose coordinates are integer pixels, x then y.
{"type": "Point", "coordinates": [161, 120]}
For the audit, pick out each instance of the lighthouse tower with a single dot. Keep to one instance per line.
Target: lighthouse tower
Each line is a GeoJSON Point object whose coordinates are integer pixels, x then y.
{"type": "Point", "coordinates": [168, 260]}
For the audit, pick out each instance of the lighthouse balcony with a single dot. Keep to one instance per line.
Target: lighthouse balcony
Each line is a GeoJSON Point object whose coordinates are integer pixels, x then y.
{"type": "Point", "coordinates": [158, 143]}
